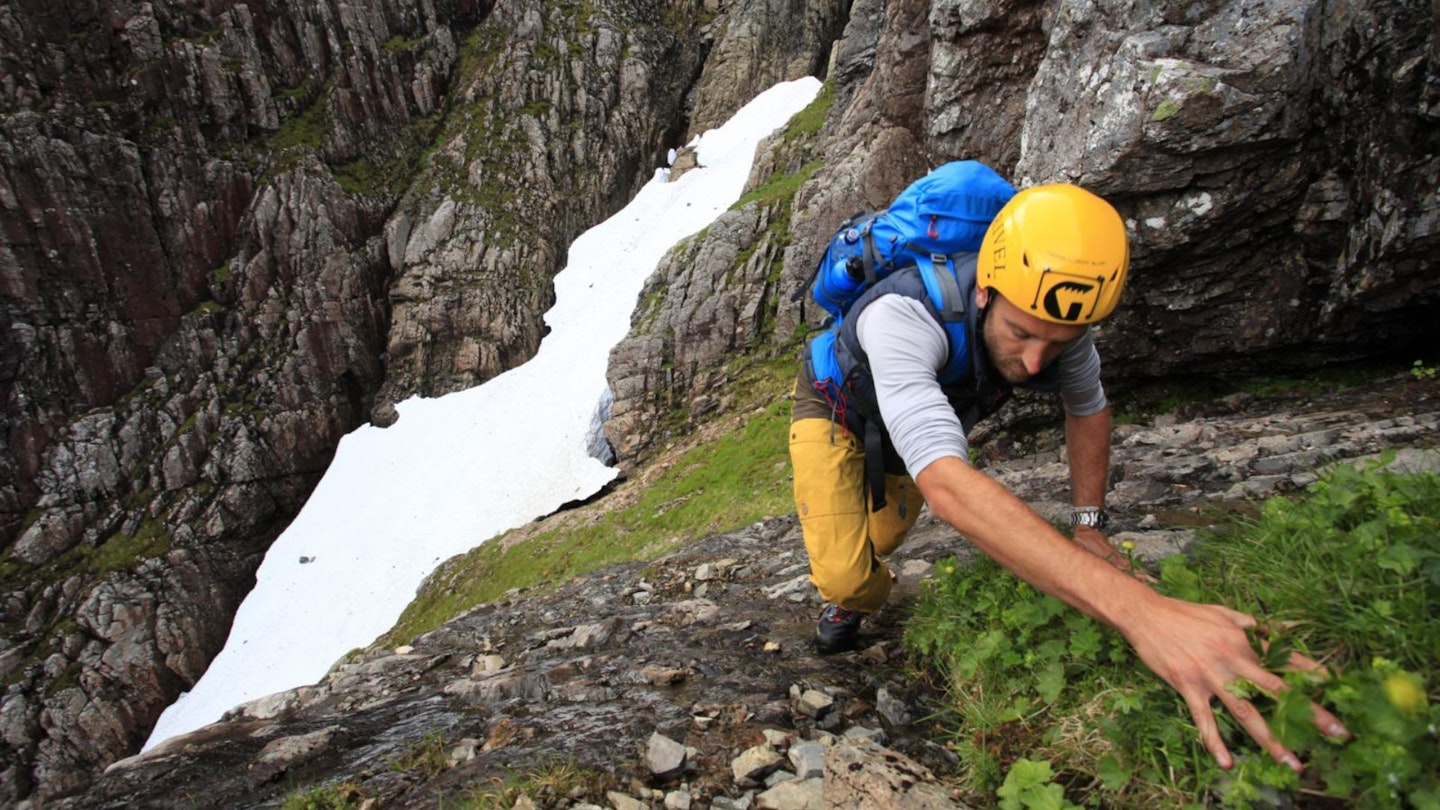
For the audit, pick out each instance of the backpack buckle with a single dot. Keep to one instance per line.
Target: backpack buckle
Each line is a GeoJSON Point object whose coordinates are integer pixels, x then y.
{"type": "Point", "coordinates": [943, 287]}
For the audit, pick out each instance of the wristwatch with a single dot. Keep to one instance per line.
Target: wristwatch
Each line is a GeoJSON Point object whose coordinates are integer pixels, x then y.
{"type": "Point", "coordinates": [1092, 516]}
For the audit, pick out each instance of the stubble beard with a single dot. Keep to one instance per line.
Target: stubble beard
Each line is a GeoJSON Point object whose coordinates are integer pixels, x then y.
{"type": "Point", "coordinates": [1009, 367]}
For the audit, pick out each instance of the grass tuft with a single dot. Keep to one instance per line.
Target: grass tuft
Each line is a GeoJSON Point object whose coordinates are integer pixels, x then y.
{"type": "Point", "coordinates": [545, 783]}
{"type": "Point", "coordinates": [342, 796]}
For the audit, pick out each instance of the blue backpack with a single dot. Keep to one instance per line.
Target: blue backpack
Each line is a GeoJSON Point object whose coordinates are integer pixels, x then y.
{"type": "Point", "coordinates": [938, 219]}
{"type": "Point", "coordinates": [943, 213]}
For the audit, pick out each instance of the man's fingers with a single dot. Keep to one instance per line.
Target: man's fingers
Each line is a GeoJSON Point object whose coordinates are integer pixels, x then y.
{"type": "Point", "coordinates": [1227, 667]}
{"type": "Point", "coordinates": [1209, 729]}
{"type": "Point", "coordinates": [1328, 723]}
{"type": "Point", "coordinates": [1254, 723]}
{"type": "Point", "coordinates": [1243, 621]}
{"type": "Point", "coordinates": [1301, 663]}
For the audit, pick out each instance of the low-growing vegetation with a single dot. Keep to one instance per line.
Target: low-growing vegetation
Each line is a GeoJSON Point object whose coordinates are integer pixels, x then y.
{"type": "Point", "coordinates": [340, 796]}
{"type": "Point", "coordinates": [1050, 709]}
{"type": "Point", "coordinates": [546, 782]}
{"type": "Point", "coordinates": [126, 551]}
{"type": "Point", "coordinates": [779, 188]}
{"type": "Point", "coordinates": [799, 135]}
{"type": "Point", "coordinates": [429, 756]}
{"type": "Point", "coordinates": [808, 121]}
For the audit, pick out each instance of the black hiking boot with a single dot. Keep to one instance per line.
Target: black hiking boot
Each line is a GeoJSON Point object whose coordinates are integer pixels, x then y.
{"type": "Point", "coordinates": [838, 630]}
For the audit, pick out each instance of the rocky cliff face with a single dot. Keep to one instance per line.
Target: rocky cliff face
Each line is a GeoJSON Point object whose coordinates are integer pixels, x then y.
{"type": "Point", "coordinates": [194, 309]}
{"type": "Point", "coordinates": [232, 232]}
{"type": "Point", "coordinates": [1275, 162]}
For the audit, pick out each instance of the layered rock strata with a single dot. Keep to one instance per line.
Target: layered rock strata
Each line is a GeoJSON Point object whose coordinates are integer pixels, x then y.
{"type": "Point", "coordinates": [1275, 162]}
{"type": "Point", "coordinates": [233, 232]}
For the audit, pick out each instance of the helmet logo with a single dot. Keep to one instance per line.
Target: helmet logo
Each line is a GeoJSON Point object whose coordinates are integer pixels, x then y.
{"type": "Point", "coordinates": [1066, 297]}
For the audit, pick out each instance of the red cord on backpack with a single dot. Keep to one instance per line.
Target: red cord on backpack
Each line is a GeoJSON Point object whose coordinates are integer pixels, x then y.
{"type": "Point", "coordinates": [831, 392]}
{"type": "Point", "coordinates": [933, 232]}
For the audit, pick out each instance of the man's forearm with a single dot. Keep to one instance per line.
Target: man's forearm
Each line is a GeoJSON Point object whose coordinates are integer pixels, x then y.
{"type": "Point", "coordinates": [1087, 442]}
{"type": "Point", "coordinates": [1011, 533]}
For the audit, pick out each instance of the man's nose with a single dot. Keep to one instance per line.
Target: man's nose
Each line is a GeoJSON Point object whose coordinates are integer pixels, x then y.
{"type": "Point", "coordinates": [1033, 356]}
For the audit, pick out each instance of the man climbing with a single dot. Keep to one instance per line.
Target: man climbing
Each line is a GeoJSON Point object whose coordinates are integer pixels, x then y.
{"type": "Point", "coordinates": [901, 381]}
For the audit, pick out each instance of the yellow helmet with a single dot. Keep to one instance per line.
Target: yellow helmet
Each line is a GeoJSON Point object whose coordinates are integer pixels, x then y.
{"type": "Point", "coordinates": [1057, 252]}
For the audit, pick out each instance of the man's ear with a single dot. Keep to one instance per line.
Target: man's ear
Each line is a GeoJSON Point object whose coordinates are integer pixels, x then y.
{"type": "Point", "coordinates": [982, 297]}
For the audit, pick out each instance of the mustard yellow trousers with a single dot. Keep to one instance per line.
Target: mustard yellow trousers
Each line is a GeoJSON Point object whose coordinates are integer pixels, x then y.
{"type": "Point", "coordinates": [844, 538]}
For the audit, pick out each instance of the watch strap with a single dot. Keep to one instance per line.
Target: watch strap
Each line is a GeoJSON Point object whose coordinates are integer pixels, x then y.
{"type": "Point", "coordinates": [1093, 516]}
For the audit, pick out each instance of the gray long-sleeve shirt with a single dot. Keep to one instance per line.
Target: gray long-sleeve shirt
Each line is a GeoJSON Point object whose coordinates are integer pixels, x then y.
{"type": "Point", "coordinates": [907, 348]}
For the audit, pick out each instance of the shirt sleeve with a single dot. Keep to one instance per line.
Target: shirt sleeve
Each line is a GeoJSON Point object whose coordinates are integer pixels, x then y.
{"type": "Point", "coordinates": [907, 349]}
{"type": "Point", "coordinates": [1079, 368]}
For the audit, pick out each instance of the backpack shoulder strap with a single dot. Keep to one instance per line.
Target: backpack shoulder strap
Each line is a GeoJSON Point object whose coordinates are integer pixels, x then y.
{"type": "Point", "coordinates": [944, 287]}
{"type": "Point", "coordinates": [870, 255]}
{"type": "Point", "coordinates": [950, 289]}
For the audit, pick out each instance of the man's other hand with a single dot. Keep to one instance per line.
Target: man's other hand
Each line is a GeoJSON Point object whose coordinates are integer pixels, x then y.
{"type": "Point", "coordinates": [1093, 541]}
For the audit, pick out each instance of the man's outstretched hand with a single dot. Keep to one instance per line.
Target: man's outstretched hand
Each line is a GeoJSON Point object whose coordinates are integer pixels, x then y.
{"type": "Point", "coordinates": [1200, 650]}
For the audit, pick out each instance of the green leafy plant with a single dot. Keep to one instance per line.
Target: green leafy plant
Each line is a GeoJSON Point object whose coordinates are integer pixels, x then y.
{"type": "Point", "coordinates": [1348, 575]}
{"type": "Point", "coordinates": [1030, 786]}
{"type": "Point", "coordinates": [1420, 371]}
{"type": "Point", "coordinates": [1028, 678]}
